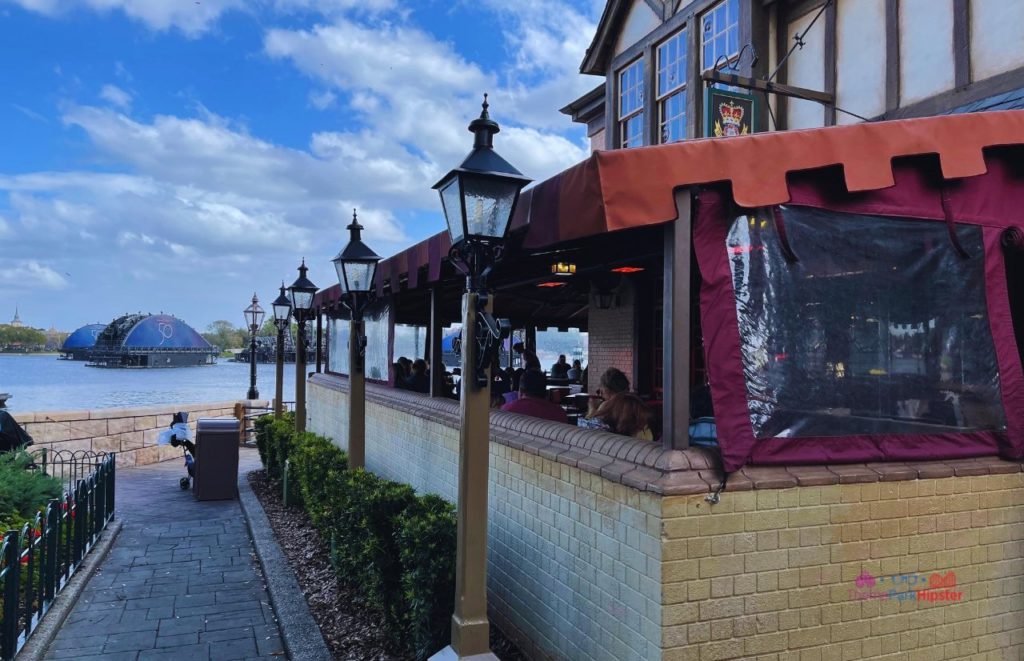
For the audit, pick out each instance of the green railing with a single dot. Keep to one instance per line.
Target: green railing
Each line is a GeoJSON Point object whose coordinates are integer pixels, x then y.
{"type": "Point", "coordinates": [37, 561]}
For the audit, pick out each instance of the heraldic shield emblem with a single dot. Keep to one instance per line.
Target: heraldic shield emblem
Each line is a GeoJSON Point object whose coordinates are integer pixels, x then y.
{"type": "Point", "coordinates": [728, 113]}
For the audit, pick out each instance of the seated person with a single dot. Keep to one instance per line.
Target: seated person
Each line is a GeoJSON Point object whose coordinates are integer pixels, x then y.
{"type": "Point", "coordinates": [560, 370]}
{"type": "Point", "coordinates": [575, 372]}
{"type": "Point", "coordinates": [533, 399]}
{"type": "Point", "coordinates": [400, 376]}
{"type": "Point", "coordinates": [513, 393]}
{"type": "Point", "coordinates": [623, 413]}
{"type": "Point", "coordinates": [418, 381]}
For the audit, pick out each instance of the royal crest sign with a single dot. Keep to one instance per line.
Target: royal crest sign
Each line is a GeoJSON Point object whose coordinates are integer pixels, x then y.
{"type": "Point", "coordinates": [728, 113]}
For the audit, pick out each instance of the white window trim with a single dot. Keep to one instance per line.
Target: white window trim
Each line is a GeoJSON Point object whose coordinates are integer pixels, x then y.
{"type": "Point", "coordinates": [662, 96]}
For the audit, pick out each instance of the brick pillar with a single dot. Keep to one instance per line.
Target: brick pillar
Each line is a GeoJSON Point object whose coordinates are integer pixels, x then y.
{"type": "Point", "coordinates": [611, 338]}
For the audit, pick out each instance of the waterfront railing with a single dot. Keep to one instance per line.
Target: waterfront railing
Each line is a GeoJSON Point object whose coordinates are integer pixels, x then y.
{"type": "Point", "coordinates": [37, 561]}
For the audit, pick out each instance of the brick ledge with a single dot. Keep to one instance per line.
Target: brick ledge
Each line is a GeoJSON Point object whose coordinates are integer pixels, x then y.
{"type": "Point", "coordinates": [646, 466]}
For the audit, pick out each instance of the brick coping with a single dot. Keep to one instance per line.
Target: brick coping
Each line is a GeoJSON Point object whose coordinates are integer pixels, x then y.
{"type": "Point", "coordinates": [130, 412]}
{"type": "Point", "coordinates": [647, 466]}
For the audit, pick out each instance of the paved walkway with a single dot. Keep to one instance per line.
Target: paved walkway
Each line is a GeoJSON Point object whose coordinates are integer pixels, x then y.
{"type": "Point", "coordinates": [181, 581]}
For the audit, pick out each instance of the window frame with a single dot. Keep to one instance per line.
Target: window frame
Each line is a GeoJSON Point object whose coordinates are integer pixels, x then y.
{"type": "Point", "coordinates": [681, 88]}
{"type": "Point", "coordinates": [635, 113]}
{"type": "Point", "coordinates": [737, 25]}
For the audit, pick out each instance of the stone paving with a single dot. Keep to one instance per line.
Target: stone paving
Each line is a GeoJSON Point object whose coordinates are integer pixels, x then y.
{"type": "Point", "coordinates": [180, 582]}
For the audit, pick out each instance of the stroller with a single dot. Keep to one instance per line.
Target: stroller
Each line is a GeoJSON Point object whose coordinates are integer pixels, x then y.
{"type": "Point", "coordinates": [179, 435]}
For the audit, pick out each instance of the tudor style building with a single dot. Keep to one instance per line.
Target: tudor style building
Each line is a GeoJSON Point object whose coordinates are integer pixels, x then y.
{"type": "Point", "coordinates": [848, 60]}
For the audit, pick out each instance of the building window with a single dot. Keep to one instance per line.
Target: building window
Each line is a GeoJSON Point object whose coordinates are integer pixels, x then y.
{"type": "Point", "coordinates": [672, 88]}
{"type": "Point", "coordinates": [720, 33]}
{"type": "Point", "coordinates": [631, 105]}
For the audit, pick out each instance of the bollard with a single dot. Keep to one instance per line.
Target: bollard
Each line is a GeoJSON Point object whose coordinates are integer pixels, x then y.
{"type": "Point", "coordinates": [334, 551]}
{"type": "Point", "coordinates": [12, 564]}
{"type": "Point", "coordinates": [287, 468]}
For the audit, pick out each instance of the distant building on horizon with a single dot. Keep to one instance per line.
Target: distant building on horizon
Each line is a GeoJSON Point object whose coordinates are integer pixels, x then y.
{"type": "Point", "coordinates": [16, 322]}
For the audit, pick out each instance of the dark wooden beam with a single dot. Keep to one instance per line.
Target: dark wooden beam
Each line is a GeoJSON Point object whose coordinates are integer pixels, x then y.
{"type": "Point", "coordinates": [319, 342]}
{"type": "Point", "coordinates": [676, 328]}
{"type": "Point", "coordinates": [892, 55]}
{"type": "Point", "coordinates": [766, 86]}
{"type": "Point", "coordinates": [434, 340]}
{"type": "Point", "coordinates": [830, 61]}
{"type": "Point", "coordinates": [962, 42]}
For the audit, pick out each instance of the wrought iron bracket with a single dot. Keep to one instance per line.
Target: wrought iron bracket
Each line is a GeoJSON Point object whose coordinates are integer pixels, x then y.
{"type": "Point", "coordinates": [490, 332]}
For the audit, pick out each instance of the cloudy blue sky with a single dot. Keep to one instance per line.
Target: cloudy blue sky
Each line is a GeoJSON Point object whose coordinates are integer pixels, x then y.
{"type": "Point", "coordinates": [173, 155]}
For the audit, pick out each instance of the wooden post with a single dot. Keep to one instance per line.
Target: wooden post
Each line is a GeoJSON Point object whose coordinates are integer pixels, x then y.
{"type": "Point", "coordinates": [470, 628]}
{"type": "Point", "coordinates": [319, 342]}
{"type": "Point", "coordinates": [240, 415]}
{"type": "Point", "coordinates": [435, 350]}
{"type": "Point", "coordinates": [356, 399]}
{"type": "Point", "coordinates": [676, 328]}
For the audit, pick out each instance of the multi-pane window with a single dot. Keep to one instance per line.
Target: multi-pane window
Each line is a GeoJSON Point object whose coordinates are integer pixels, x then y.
{"type": "Point", "coordinates": [672, 88]}
{"type": "Point", "coordinates": [631, 105]}
{"type": "Point", "coordinates": [720, 33]}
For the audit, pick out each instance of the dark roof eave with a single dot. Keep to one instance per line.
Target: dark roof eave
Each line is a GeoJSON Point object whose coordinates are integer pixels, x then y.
{"type": "Point", "coordinates": [594, 62]}
{"type": "Point", "coordinates": [586, 107]}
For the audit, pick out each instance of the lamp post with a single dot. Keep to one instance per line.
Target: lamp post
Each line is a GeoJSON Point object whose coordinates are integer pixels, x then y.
{"type": "Point", "coordinates": [478, 199]}
{"type": "Point", "coordinates": [356, 265]}
{"type": "Point", "coordinates": [282, 317]}
{"type": "Point", "coordinates": [254, 318]}
{"type": "Point", "coordinates": [301, 294]}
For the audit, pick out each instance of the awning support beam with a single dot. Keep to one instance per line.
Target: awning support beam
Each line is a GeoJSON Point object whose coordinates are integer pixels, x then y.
{"type": "Point", "coordinates": [676, 327]}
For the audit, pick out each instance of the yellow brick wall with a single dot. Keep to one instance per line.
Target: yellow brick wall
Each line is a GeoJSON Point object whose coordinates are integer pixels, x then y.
{"type": "Point", "coordinates": [130, 432]}
{"type": "Point", "coordinates": [770, 574]}
{"type": "Point", "coordinates": [573, 559]}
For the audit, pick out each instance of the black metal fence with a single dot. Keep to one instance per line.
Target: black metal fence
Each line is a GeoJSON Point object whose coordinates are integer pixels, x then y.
{"type": "Point", "coordinates": [37, 561]}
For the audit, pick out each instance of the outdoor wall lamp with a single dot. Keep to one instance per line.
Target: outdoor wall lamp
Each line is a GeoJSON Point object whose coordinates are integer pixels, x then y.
{"type": "Point", "coordinates": [282, 308]}
{"type": "Point", "coordinates": [478, 199]}
{"type": "Point", "coordinates": [356, 265]}
{"type": "Point", "coordinates": [254, 319]}
{"type": "Point", "coordinates": [563, 268]}
{"type": "Point", "coordinates": [301, 294]}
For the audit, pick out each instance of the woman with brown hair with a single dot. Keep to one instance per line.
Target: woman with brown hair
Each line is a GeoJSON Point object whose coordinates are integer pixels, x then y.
{"type": "Point", "coordinates": [625, 413]}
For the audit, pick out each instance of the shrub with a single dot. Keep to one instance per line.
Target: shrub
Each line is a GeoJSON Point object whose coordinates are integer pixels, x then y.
{"type": "Point", "coordinates": [280, 436]}
{"type": "Point", "coordinates": [426, 535]}
{"type": "Point", "coordinates": [262, 431]}
{"type": "Point", "coordinates": [314, 461]}
{"type": "Point", "coordinates": [23, 491]}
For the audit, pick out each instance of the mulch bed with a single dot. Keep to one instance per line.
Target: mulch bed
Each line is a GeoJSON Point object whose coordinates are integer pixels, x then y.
{"type": "Point", "coordinates": [350, 630]}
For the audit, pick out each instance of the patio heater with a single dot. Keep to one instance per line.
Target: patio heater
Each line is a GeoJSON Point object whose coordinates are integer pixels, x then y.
{"type": "Point", "coordinates": [356, 265]}
{"type": "Point", "coordinates": [478, 199]}
{"type": "Point", "coordinates": [301, 294]}
{"type": "Point", "coordinates": [254, 319]}
{"type": "Point", "coordinates": [282, 318]}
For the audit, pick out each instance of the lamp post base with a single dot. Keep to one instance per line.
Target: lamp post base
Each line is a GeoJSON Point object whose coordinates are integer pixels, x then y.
{"type": "Point", "coordinates": [449, 654]}
{"type": "Point", "coordinates": [253, 394]}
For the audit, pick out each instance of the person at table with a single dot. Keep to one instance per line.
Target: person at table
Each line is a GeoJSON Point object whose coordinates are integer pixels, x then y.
{"type": "Point", "coordinates": [560, 370]}
{"type": "Point", "coordinates": [418, 381]}
{"type": "Point", "coordinates": [613, 382]}
{"type": "Point", "coordinates": [530, 359]}
{"type": "Point", "coordinates": [533, 399]}
{"type": "Point", "coordinates": [575, 372]}
{"type": "Point", "coordinates": [626, 414]}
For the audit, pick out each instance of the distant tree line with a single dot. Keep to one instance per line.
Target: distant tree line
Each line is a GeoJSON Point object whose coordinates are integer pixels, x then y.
{"type": "Point", "coordinates": [21, 338]}
{"type": "Point", "coordinates": [227, 336]}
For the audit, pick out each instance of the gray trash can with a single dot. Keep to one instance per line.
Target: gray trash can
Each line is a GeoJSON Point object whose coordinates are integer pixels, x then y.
{"type": "Point", "coordinates": [216, 459]}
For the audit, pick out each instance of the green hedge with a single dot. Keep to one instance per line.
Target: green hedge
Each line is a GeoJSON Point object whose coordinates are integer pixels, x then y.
{"type": "Point", "coordinates": [393, 546]}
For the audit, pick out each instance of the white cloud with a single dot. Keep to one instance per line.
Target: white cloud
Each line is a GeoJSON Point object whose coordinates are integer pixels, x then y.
{"type": "Point", "coordinates": [29, 275]}
{"type": "Point", "coordinates": [116, 97]}
{"type": "Point", "coordinates": [190, 17]}
{"type": "Point", "coordinates": [322, 100]}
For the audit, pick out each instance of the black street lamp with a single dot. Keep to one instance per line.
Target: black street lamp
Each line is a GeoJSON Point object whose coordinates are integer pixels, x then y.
{"type": "Point", "coordinates": [301, 294]}
{"type": "Point", "coordinates": [282, 318]}
{"type": "Point", "coordinates": [356, 265]}
{"type": "Point", "coordinates": [478, 198]}
{"type": "Point", "coordinates": [254, 318]}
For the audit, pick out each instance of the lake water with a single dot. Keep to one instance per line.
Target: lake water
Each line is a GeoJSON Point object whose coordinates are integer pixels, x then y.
{"type": "Point", "coordinates": [44, 383]}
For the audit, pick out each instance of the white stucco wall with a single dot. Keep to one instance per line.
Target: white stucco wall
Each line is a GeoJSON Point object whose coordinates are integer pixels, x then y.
{"type": "Point", "coordinates": [997, 37]}
{"type": "Point", "coordinates": [806, 68]}
{"type": "Point", "coordinates": [860, 58]}
{"type": "Point", "coordinates": [926, 49]}
{"type": "Point", "coordinates": [638, 24]}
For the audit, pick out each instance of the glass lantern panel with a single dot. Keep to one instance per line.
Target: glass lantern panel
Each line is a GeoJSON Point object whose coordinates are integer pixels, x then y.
{"type": "Point", "coordinates": [489, 205]}
{"type": "Point", "coordinates": [301, 300]}
{"type": "Point", "coordinates": [451, 199]}
{"type": "Point", "coordinates": [358, 276]}
{"type": "Point", "coordinates": [282, 311]}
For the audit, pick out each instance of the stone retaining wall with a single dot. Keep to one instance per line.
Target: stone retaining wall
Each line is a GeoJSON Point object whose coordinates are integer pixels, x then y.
{"type": "Point", "coordinates": [130, 432]}
{"type": "Point", "coordinates": [601, 547]}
